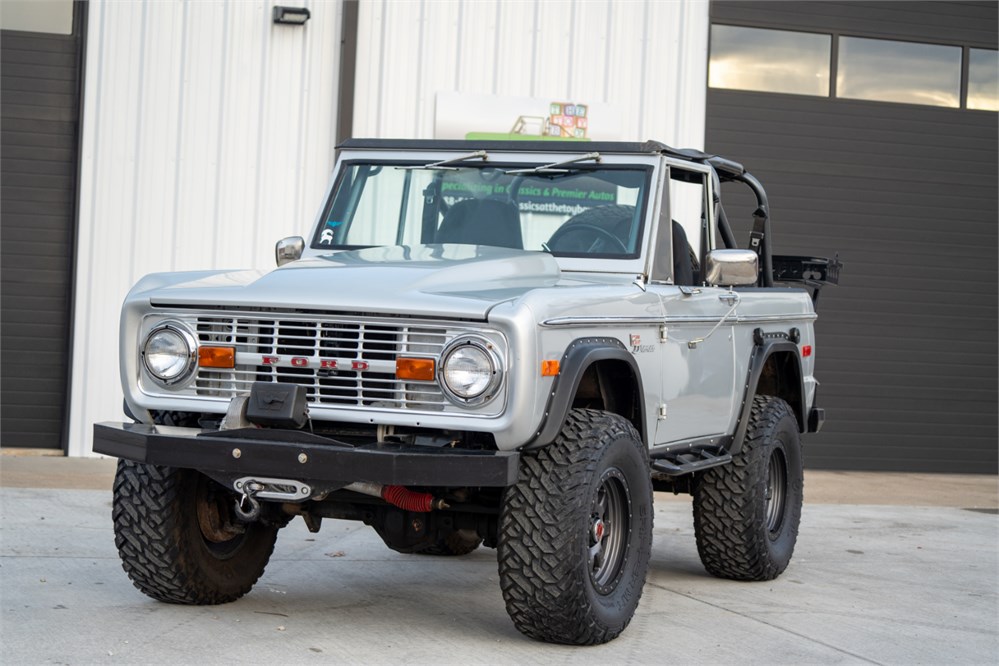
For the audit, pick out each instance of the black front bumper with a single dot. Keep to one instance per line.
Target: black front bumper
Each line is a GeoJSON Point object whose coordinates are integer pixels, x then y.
{"type": "Point", "coordinates": [301, 455]}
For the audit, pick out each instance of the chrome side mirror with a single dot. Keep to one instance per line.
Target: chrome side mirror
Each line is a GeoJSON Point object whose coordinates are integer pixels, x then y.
{"type": "Point", "coordinates": [731, 268]}
{"type": "Point", "coordinates": [288, 249]}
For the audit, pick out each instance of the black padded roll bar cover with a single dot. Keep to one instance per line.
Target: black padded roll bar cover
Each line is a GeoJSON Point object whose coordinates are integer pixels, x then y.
{"type": "Point", "coordinates": [729, 168]}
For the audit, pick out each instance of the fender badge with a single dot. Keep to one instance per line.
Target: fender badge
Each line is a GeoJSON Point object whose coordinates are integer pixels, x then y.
{"type": "Point", "coordinates": [638, 348]}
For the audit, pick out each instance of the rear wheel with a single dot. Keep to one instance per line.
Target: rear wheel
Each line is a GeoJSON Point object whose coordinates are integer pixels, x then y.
{"type": "Point", "coordinates": [179, 540]}
{"type": "Point", "coordinates": [746, 513]}
{"type": "Point", "coordinates": [576, 532]}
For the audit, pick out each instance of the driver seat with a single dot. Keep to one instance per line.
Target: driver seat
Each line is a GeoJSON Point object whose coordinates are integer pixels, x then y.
{"type": "Point", "coordinates": [482, 222]}
{"type": "Point", "coordinates": [683, 263]}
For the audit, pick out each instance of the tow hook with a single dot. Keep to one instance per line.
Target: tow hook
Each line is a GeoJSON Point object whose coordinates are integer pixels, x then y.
{"type": "Point", "coordinates": [247, 508]}
{"type": "Point", "coordinates": [250, 488]}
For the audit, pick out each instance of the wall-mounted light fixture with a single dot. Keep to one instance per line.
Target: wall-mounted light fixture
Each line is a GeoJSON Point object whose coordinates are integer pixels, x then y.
{"type": "Point", "coordinates": [290, 15]}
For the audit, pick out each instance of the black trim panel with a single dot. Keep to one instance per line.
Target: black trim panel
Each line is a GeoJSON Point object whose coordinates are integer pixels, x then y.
{"type": "Point", "coordinates": [325, 459]}
{"type": "Point", "coordinates": [580, 355]}
{"type": "Point", "coordinates": [816, 417]}
{"type": "Point", "coordinates": [761, 352]}
{"type": "Point", "coordinates": [648, 147]}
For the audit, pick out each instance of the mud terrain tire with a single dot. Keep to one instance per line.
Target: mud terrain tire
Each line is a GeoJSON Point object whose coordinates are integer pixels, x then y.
{"type": "Point", "coordinates": [176, 540]}
{"type": "Point", "coordinates": [746, 513]}
{"type": "Point", "coordinates": [576, 532]}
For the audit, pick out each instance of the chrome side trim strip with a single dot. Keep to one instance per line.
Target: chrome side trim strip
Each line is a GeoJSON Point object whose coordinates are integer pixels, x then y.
{"type": "Point", "coordinates": [766, 318]}
{"type": "Point", "coordinates": [602, 321]}
{"type": "Point", "coordinates": [679, 319]}
{"type": "Point", "coordinates": [741, 319]}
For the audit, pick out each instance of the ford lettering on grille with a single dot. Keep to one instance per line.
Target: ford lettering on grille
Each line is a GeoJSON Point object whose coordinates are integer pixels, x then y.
{"type": "Point", "coordinates": [303, 362]}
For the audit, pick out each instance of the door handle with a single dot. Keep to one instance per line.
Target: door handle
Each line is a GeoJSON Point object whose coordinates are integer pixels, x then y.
{"type": "Point", "coordinates": [732, 299]}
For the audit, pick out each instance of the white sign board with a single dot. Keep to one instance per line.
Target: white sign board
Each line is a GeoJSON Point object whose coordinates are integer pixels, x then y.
{"type": "Point", "coordinates": [465, 116]}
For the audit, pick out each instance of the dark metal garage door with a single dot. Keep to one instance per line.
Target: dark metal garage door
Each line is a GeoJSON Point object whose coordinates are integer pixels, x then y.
{"type": "Point", "coordinates": [39, 110]}
{"type": "Point", "coordinates": [907, 344]}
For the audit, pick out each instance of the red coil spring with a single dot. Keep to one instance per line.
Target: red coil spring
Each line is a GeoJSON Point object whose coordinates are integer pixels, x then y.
{"type": "Point", "coordinates": [407, 499]}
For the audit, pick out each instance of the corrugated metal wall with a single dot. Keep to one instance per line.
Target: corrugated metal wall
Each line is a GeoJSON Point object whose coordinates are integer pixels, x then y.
{"type": "Point", "coordinates": [907, 343]}
{"type": "Point", "coordinates": [207, 135]}
{"type": "Point", "coordinates": [647, 57]}
{"type": "Point", "coordinates": [39, 110]}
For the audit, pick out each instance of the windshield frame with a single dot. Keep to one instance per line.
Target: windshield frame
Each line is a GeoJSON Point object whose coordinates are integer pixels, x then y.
{"type": "Point", "coordinates": [633, 263]}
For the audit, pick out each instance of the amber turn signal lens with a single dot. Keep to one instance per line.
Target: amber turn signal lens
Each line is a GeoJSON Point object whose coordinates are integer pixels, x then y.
{"type": "Point", "coordinates": [216, 357]}
{"type": "Point", "coordinates": [418, 369]}
{"type": "Point", "coordinates": [549, 368]}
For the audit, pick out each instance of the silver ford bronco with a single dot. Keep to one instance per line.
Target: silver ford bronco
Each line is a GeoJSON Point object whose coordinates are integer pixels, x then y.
{"type": "Point", "coordinates": [508, 344]}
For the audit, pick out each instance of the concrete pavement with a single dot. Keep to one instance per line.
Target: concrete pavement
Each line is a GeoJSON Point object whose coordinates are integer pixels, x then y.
{"type": "Point", "coordinates": [868, 584]}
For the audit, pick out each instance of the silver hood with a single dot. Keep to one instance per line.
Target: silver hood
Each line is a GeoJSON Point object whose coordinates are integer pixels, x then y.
{"type": "Point", "coordinates": [451, 280]}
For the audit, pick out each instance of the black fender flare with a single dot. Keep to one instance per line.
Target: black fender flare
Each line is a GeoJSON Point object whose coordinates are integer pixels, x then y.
{"type": "Point", "coordinates": [578, 357]}
{"type": "Point", "coordinates": [762, 351]}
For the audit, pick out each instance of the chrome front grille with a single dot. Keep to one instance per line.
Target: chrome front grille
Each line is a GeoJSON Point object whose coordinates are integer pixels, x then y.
{"type": "Point", "coordinates": [340, 362]}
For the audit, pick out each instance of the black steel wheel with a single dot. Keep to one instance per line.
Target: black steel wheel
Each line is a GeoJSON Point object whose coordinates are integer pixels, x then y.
{"type": "Point", "coordinates": [746, 513]}
{"type": "Point", "coordinates": [775, 493]}
{"type": "Point", "coordinates": [179, 540]}
{"type": "Point", "coordinates": [576, 532]}
{"type": "Point", "coordinates": [610, 522]}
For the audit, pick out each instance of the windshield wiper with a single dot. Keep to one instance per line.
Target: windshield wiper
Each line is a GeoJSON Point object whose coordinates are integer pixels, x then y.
{"type": "Point", "coordinates": [554, 166]}
{"type": "Point", "coordinates": [443, 165]}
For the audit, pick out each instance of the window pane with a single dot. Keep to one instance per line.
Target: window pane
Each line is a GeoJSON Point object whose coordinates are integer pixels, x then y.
{"type": "Point", "coordinates": [686, 200]}
{"type": "Point", "coordinates": [769, 60]}
{"type": "Point", "coordinates": [888, 71]}
{"type": "Point", "coordinates": [589, 211]}
{"type": "Point", "coordinates": [55, 16]}
{"type": "Point", "coordinates": [983, 80]}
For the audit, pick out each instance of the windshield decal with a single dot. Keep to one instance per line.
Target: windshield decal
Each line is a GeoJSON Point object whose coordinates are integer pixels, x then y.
{"type": "Point", "coordinates": [326, 238]}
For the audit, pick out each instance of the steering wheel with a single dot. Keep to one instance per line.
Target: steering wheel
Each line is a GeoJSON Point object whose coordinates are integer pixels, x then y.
{"type": "Point", "coordinates": [600, 233]}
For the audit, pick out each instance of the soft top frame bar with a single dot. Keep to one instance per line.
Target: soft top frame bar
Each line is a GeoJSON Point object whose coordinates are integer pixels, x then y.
{"type": "Point", "coordinates": [724, 170]}
{"type": "Point", "coordinates": [727, 168]}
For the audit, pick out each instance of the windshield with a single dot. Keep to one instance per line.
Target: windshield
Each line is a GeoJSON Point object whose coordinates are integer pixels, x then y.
{"type": "Point", "coordinates": [582, 211]}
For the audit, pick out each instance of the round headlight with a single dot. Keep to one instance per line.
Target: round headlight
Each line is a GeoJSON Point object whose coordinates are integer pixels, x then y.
{"type": "Point", "coordinates": [470, 371]}
{"type": "Point", "coordinates": [169, 354]}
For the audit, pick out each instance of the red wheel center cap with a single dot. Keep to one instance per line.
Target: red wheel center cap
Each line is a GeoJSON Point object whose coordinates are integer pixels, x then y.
{"type": "Point", "coordinates": [598, 530]}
